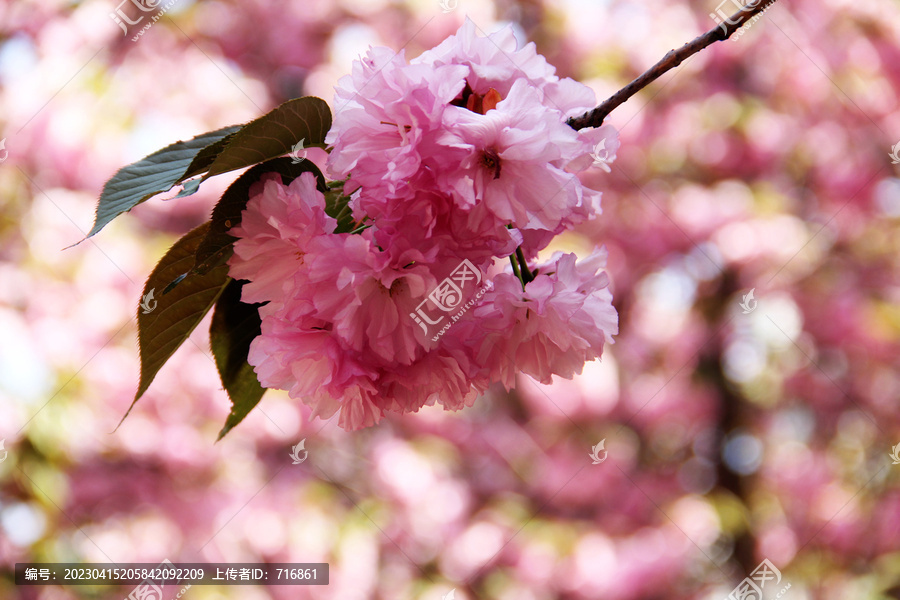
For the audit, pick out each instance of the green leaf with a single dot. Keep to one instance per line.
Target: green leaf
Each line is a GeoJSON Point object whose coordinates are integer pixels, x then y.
{"type": "Point", "coordinates": [156, 173]}
{"type": "Point", "coordinates": [234, 325]}
{"type": "Point", "coordinates": [207, 156]}
{"type": "Point", "coordinates": [189, 189]}
{"type": "Point", "coordinates": [275, 134]}
{"type": "Point", "coordinates": [216, 246]}
{"type": "Point", "coordinates": [235, 147]}
{"type": "Point", "coordinates": [337, 207]}
{"type": "Point", "coordinates": [166, 320]}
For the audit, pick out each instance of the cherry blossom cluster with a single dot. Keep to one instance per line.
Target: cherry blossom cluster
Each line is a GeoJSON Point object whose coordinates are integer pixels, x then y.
{"type": "Point", "coordinates": [452, 164]}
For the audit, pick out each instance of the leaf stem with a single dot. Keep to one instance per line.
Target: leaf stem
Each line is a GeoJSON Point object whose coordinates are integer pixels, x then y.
{"type": "Point", "coordinates": [345, 210]}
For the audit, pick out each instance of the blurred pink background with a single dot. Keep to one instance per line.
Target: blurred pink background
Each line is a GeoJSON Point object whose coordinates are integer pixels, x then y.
{"type": "Point", "coordinates": [761, 163]}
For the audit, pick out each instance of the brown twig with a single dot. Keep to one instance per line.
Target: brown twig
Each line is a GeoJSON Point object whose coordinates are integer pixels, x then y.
{"type": "Point", "coordinates": [594, 117]}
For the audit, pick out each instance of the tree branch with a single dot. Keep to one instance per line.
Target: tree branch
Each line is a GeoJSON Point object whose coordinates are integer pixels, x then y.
{"type": "Point", "coordinates": [594, 118]}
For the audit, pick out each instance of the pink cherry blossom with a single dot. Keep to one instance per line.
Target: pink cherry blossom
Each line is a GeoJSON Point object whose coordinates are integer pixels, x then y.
{"type": "Point", "coordinates": [469, 112]}
{"type": "Point", "coordinates": [447, 375]}
{"type": "Point", "coordinates": [457, 158]}
{"type": "Point", "coordinates": [432, 224]}
{"type": "Point", "coordinates": [496, 61]}
{"type": "Point", "coordinates": [350, 283]}
{"type": "Point", "coordinates": [309, 361]}
{"type": "Point", "coordinates": [554, 325]}
{"type": "Point", "coordinates": [384, 112]}
{"type": "Point", "coordinates": [275, 229]}
{"type": "Point", "coordinates": [509, 156]}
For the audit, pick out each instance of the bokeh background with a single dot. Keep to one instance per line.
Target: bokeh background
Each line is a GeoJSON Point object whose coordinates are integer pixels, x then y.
{"type": "Point", "coordinates": [762, 163]}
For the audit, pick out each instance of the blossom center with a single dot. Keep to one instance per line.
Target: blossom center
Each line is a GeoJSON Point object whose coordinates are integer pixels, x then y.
{"type": "Point", "coordinates": [490, 160]}
{"type": "Point", "coordinates": [396, 287]}
{"type": "Point", "coordinates": [478, 103]}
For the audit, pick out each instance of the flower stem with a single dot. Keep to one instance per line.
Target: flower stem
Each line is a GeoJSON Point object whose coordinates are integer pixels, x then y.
{"type": "Point", "coordinates": [520, 267]}
{"type": "Point", "coordinates": [594, 117]}
{"type": "Point", "coordinates": [515, 268]}
{"type": "Point", "coordinates": [527, 276]}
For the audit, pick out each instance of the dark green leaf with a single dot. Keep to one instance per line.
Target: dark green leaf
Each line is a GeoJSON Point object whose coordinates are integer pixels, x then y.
{"type": "Point", "coordinates": [336, 206]}
{"type": "Point", "coordinates": [149, 176]}
{"type": "Point", "coordinates": [189, 189]}
{"type": "Point", "coordinates": [206, 157]}
{"type": "Point", "coordinates": [234, 325]}
{"type": "Point", "coordinates": [275, 134]}
{"type": "Point", "coordinates": [166, 320]}
{"type": "Point", "coordinates": [216, 247]}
